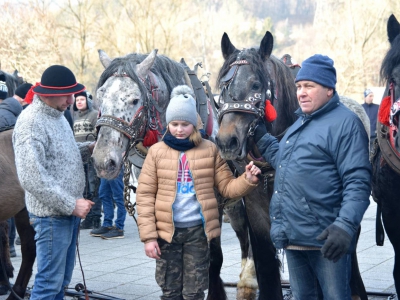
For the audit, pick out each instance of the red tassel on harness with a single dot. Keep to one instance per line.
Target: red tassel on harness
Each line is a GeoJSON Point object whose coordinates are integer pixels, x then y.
{"type": "Point", "coordinates": [29, 95]}
{"type": "Point", "coordinates": [150, 138]}
{"type": "Point", "coordinates": [384, 111]}
{"type": "Point", "coordinates": [270, 112]}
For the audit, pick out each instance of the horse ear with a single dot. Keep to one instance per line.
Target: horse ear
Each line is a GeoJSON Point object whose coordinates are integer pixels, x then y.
{"type": "Point", "coordinates": [104, 59]}
{"type": "Point", "coordinates": [226, 46]}
{"type": "Point", "coordinates": [143, 68]}
{"type": "Point", "coordinates": [393, 28]}
{"type": "Point", "coordinates": [266, 46]}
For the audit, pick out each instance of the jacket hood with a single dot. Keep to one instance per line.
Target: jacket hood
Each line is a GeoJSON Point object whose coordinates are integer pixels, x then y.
{"type": "Point", "coordinates": [11, 104]}
{"type": "Point", "coordinates": [88, 102]}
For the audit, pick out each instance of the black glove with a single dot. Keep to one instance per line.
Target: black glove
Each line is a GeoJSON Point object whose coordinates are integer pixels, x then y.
{"type": "Point", "coordinates": [259, 131]}
{"type": "Point", "coordinates": [337, 242]}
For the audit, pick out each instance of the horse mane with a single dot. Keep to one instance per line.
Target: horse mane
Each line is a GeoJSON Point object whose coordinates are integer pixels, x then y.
{"type": "Point", "coordinates": [271, 69]}
{"type": "Point", "coordinates": [170, 71]}
{"type": "Point", "coordinates": [11, 82]}
{"type": "Point", "coordinates": [391, 60]}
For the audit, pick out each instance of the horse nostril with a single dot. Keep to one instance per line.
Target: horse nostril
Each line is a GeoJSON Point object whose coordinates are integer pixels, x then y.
{"type": "Point", "coordinates": [233, 143]}
{"type": "Point", "coordinates": [110, 165]}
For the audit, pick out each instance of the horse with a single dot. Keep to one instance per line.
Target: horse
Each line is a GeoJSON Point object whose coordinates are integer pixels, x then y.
{"type": "Point", "coordinates": [133, 93]}
{"type": "Point", "coordinates": [12, 202]}
{"type": "Point", "coordinates": [385, 155]}
{"type": "Point", "coordinates": [247, 78]}
{"type": "Point", "coordinates": [12, 81]}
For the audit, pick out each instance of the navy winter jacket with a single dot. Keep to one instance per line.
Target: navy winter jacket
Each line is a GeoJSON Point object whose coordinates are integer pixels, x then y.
{"type": "Point", "coordinates": [372, 112]}
{"type": "Point", "coordinates": [322, 175]}
{"type": "Point", "coordinates": [10, 109]}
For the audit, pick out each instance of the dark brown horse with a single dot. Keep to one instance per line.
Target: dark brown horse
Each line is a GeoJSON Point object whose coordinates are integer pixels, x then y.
{"type": "Point", "coordinates": [12, 204]}
{"type": "Point", "coordinates": [247, 78]}
{"type": "Point", "coordinates": [386, 158]}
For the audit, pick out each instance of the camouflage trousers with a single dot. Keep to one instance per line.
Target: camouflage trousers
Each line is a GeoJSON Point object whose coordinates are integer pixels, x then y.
{"type": "Point", "coordinates": [182, 271]}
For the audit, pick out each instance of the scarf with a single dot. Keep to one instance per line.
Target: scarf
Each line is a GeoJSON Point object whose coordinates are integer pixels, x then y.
{"type": "Point", "coordinates": [178, 144]}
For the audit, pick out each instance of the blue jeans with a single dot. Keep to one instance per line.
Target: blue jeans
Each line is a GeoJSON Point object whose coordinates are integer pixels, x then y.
{"type": "Point", "coordinates": [55, 255]}
{"type": "Point", "coordinates": [113, 191]}
{"type": "Point", "coordinates": [313, 277]}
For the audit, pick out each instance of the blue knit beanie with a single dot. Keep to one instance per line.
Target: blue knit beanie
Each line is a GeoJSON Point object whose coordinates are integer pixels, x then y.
{"type": "Point", "coordinates": [318, 68]}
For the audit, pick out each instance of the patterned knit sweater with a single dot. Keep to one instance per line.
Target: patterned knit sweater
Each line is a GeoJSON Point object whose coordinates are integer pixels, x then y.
{"type": "Point", "coordinates": [48, 160]}
{"type": "Point", "coordinates": [85, 125]}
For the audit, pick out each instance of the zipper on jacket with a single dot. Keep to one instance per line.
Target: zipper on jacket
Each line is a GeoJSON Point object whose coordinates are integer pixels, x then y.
{"type": "Point", "coordinates": [201, 208]}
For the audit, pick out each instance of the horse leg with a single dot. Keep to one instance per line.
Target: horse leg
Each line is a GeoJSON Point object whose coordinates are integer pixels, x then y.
{"type": "Point", "coordinates": [266, 262]}
{"type": "Point", "coordinates": [28, 249]}
{"type": "Point", "coordinates": [390, 216]}
{"type": "Point", "coordinates": [216, 290]}
{"type": "Point", "coordinates": [247, 285]}
{"type": "Point", "coordinates": [5, 254]}
{"type": "Point", "coordinates": [358, 291]}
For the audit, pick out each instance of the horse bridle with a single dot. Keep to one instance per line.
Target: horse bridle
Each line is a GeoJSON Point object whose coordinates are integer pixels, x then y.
{"type": "Point", "coordinates": [394, 106]}
{"type": "Point", "coordinates": [253, 103]}
{"type": "Point", "coordinates": [147, 116]}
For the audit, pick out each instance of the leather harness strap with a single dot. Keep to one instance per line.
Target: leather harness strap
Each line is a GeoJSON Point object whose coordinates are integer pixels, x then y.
{"type": "Point", "coordinates": [389, 154]}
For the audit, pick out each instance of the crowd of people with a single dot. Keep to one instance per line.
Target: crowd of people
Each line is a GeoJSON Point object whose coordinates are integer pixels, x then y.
{"type": "Point", "coordinates": [320, 193]}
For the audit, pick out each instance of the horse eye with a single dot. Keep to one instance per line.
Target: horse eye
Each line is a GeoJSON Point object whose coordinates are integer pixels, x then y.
{"type": "Point", "coordinates": [256, 86]}
{"type": "Point", "coordinates": [133, 101]}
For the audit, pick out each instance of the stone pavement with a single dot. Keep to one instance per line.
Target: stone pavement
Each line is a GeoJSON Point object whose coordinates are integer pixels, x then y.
{"type": "Point", "coordinates": [119, 268]}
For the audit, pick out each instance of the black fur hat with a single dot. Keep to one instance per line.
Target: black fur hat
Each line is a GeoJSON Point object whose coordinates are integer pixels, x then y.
{"type": "Point", "coordinates": [22, 90]}
{"type": "Point", "coordinates": [58, 81]}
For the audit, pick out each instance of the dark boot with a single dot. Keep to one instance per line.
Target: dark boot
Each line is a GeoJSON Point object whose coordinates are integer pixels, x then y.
{"type": "Point", "coordinates": [87, 224]}
{"type": "Point", "coordinates": [3, 289]}
{"type": "Point", "coordinates": [96, 223]}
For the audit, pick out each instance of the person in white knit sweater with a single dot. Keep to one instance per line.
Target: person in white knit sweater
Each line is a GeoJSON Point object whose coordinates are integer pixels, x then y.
{"type": "Point", "coordinates": [50, 169]}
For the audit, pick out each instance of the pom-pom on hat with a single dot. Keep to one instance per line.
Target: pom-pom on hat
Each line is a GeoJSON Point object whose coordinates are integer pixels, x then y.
{"type": "Point", "coordinates": [58, 81]}
{"type": "Point", "coordinates": [367, 92]}
{"type": "Point", "coordinates": [182, 106]}
{"type": "Point", "coordinates": [23, 89]}
{"type": "Point", "coordinates": [318, 68]}
{"type": "Point", "coordinates": [3, 87]}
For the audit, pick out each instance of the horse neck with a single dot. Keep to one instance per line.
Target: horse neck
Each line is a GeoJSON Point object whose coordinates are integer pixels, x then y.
{"type": "Point", "coordinates": [161, 95]}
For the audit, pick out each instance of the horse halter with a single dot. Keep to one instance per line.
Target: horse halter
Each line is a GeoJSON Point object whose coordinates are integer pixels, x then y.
{"type": "Point", "coordinates": [253, 103]}
{"type": "Point", "coordinates": [146, 116]}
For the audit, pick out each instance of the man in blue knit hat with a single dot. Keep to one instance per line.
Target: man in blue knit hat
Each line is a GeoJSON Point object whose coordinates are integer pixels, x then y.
{"type": "Point", "coordinates": [322, 185]}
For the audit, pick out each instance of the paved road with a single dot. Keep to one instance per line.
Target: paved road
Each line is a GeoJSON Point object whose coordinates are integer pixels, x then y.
{"type": "Point", "coordinates": [119, 268]}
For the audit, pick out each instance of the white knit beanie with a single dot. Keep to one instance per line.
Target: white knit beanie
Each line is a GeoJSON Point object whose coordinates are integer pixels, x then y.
{"type": "Point", "coordinates": [182, 106]}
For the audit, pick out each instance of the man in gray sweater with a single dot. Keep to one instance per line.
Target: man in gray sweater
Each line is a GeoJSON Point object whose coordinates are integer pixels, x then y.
{"type": "Point", "coordinates": [50, 168]}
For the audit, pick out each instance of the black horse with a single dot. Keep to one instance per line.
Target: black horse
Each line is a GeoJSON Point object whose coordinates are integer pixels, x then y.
{"type": "Point", "coordinates": [254, 74]}
{"type": "Point", "coordinates": [247, 78]}
{"type": "Point", "coordinates": [386, 156]}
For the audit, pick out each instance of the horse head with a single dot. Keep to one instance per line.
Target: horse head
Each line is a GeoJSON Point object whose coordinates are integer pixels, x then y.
{"type": "Point", "coordinates": [390, 71]}
{"type": "Point", "coordinates": [133, 93]}
{"type": "Point", "coordinates": [122, 94]}
{"type": "Point", "coordinates": [249, 78]}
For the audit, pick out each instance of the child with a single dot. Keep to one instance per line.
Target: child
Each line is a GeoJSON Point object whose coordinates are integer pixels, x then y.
{"type": "Point", "coordinates": [177, 209]}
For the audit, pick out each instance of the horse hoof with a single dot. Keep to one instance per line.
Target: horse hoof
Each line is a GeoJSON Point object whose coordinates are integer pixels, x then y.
{"type": "Point", "coordinates": [246, 294]}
